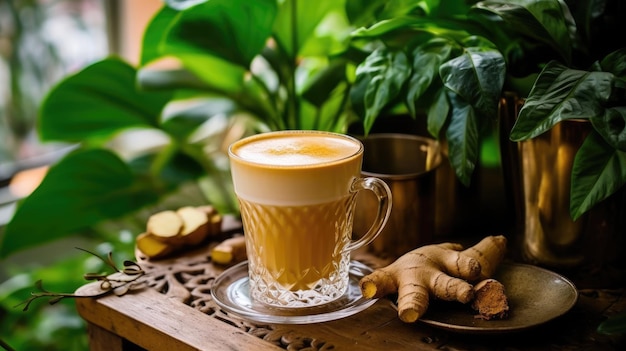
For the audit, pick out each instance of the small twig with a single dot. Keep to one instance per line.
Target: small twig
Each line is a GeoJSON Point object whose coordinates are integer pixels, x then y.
{"type": "Point", "coordinates": [119, 282]}
{"type": "Point", "coordinates": [109, 260]}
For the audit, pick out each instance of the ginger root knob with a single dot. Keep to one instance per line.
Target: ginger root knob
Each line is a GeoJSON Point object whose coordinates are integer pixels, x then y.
{"type": "Point", "coordinates": [489, 252]}
{"type": "Point", "coordinates": [441, 270]}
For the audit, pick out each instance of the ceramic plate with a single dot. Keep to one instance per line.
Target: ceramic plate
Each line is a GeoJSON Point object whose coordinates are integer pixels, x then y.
{"type": "Point", "coordinates": [231, 292]}
{"type": "Point", "coordinates": [536, 296]}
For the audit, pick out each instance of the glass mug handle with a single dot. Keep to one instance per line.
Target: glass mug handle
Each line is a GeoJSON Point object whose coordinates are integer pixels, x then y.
{"type": "Point", "coordinates": [383, 194]}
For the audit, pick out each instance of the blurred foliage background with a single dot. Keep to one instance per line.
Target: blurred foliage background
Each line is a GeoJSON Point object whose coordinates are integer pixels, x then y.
{"type": "Point", "coordinates": [42, 41]}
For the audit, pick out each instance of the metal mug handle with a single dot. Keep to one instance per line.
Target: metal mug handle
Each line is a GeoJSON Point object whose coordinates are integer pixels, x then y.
{"type": "Point", "coordinates": [383, 194]}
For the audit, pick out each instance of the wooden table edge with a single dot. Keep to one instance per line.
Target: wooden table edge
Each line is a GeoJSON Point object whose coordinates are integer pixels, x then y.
{"type": "Point", "coordinates": [153, 321]}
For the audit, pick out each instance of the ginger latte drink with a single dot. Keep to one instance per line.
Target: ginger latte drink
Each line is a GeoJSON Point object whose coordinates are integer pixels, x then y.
{"type": "Point", "coordinates": [297, 191]}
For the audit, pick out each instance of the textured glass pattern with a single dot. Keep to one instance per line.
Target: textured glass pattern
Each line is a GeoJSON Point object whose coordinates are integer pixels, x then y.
{"type": "Point", "coordinates": [296, 253]}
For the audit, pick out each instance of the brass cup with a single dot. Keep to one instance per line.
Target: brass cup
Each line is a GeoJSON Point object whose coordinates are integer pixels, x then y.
{"type": "Point", "coordinates": [407, 163]}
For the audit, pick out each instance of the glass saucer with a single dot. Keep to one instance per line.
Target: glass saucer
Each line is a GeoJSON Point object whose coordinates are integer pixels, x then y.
{"type": "Point", "coordinates": [231, 293]}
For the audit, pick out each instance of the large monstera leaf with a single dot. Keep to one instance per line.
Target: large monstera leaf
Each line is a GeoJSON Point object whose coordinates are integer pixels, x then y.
{"type": "Point", "coordinates": [85, 187]}
{"type": "Point", "coordinates": [234, 31]}
{"type": "Point", "coordinates": [98, 102]}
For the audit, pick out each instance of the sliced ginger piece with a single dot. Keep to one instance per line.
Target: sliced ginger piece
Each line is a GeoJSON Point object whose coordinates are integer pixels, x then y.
{"type": "Point", "coordinates": [490, 300]}
{"type": "Point", "coordinates": [231, 250]}
{"type": "Point", "coordinates": [165, 225]}
{"type": "Point", "coordinates": [215, 219]}
{"type": "Point", "coordinates": [196, 225]}
{"type": "Point", "coordinates": [442, 270]}
{"type": "Point", "coordinates": [174, 231]}
{"type": "Point", "coordinates": [152, 247]}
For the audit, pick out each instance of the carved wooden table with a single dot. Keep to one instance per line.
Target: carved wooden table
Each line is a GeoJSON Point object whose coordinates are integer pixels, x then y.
{"type": "Point", "coordinates": [176, 312]}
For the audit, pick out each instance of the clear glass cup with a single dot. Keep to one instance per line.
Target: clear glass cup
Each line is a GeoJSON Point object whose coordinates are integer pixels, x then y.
{"type": "Point", "coordinates": [297, 194]}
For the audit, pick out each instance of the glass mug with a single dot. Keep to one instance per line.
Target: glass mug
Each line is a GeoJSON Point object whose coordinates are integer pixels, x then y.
{"type": "Point", "coordinates": [297, 194]}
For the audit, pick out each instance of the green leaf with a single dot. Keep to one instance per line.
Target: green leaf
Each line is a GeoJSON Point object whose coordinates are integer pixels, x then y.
{"type": "Point", "coordinates": [427, 59]}
{"type": "Point", "coordinates": [612, 126]}
{"type": "Point", "coordinates": [98, 102]}
{"type": "Point", "coordinates": [614, 325]}
{"type": "Point", "coordinates": [598, 172]}
{"type": "Point", "coordinates": [438, 113]}
{"type": "Point", "coordinates": [357, 98]}
{"type": "Point", "coordinates": [203, 70]}
{"type": "Point", "coordinates": [227, 81]}
{"type": "Point", "coordinates": [463, 138]}
{"type": "Point", "coordinates": [323, 83]}
{"type": "Point", "coordinates": [408, 30]}
{"type": "Point", "coordinates": [182, 4]}
{"type": "Point", "coordinates": [189, 115]}
{"type": "Point", "coordinates": [235, 31]}
{"type": "Point", "coordinates": [448, 8]}
{"type": "Point", "coordinates": [543, 21]}
{"type": "Point", "coordinates": [478, 77]}
{"type": "Point", "coordinates": [155, 33]}
{"type": "Point", "coordinates": [384, 27]}
{"type": "Point", "coordinates": [297, 20]}
{"type": "Point", "coordinates": [174, 169]}
{"type": "Point", "coordinates": [561, 93]}
{"type": "Point", "coordinates": [384, 72]}
{"type": "Point", "coordinates": [222, 78]}
{"type": "Point", "coordinates": [330, 115]}
{"type": "Point", "coordinates": [83, 188]}
{"type": "Point", "coordinates": [331, 36]}
{"type": "Point", "coordinates": [361, 13]}
{"type": "Point", "coordinates": [154, 79]}
{"type": "Point", "coordinates": [615, 62]}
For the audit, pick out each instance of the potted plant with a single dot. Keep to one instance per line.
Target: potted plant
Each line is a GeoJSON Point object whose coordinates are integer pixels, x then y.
{"type": "Point", "coordinates": [455, 61]}
{"type": "Point", "coordinates": [572, 124]}
{"type": "Point", "coordinates": [431, 60]}
{"type": "Point", "coordinates": [588, 85]}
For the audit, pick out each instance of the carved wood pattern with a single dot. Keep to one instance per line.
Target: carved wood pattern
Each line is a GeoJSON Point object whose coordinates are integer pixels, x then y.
{"type": "Point", "coordinates": [189, 276]}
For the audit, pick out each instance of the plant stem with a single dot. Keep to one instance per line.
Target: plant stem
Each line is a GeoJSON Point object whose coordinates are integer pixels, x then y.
{"type": "Point", "coordinates": [340, 110]}
{"type": "Point", "coordinates": [162, 158]}
{"type": "Point", "coordinates": [274, 118]}
{"type": "Point", "coordinates": [293, 109]}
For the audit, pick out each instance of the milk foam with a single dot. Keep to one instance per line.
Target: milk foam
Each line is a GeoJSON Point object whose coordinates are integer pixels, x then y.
{"type": "Point", "coordinates": [296, 150]}
{"type": "Point", "coordinates": [294, 168]}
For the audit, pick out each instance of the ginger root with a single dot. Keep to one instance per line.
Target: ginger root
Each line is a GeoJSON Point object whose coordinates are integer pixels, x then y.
{"type": "Point", "coordinates": [231, 250]}
{"type": "Point", "coordinates": [169, 232]}
{"type": "Point", "coordinates": [443, 270]}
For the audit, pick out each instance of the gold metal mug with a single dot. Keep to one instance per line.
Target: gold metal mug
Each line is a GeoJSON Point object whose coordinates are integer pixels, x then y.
{"type": "Point", "coordinates": [407, 163]}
